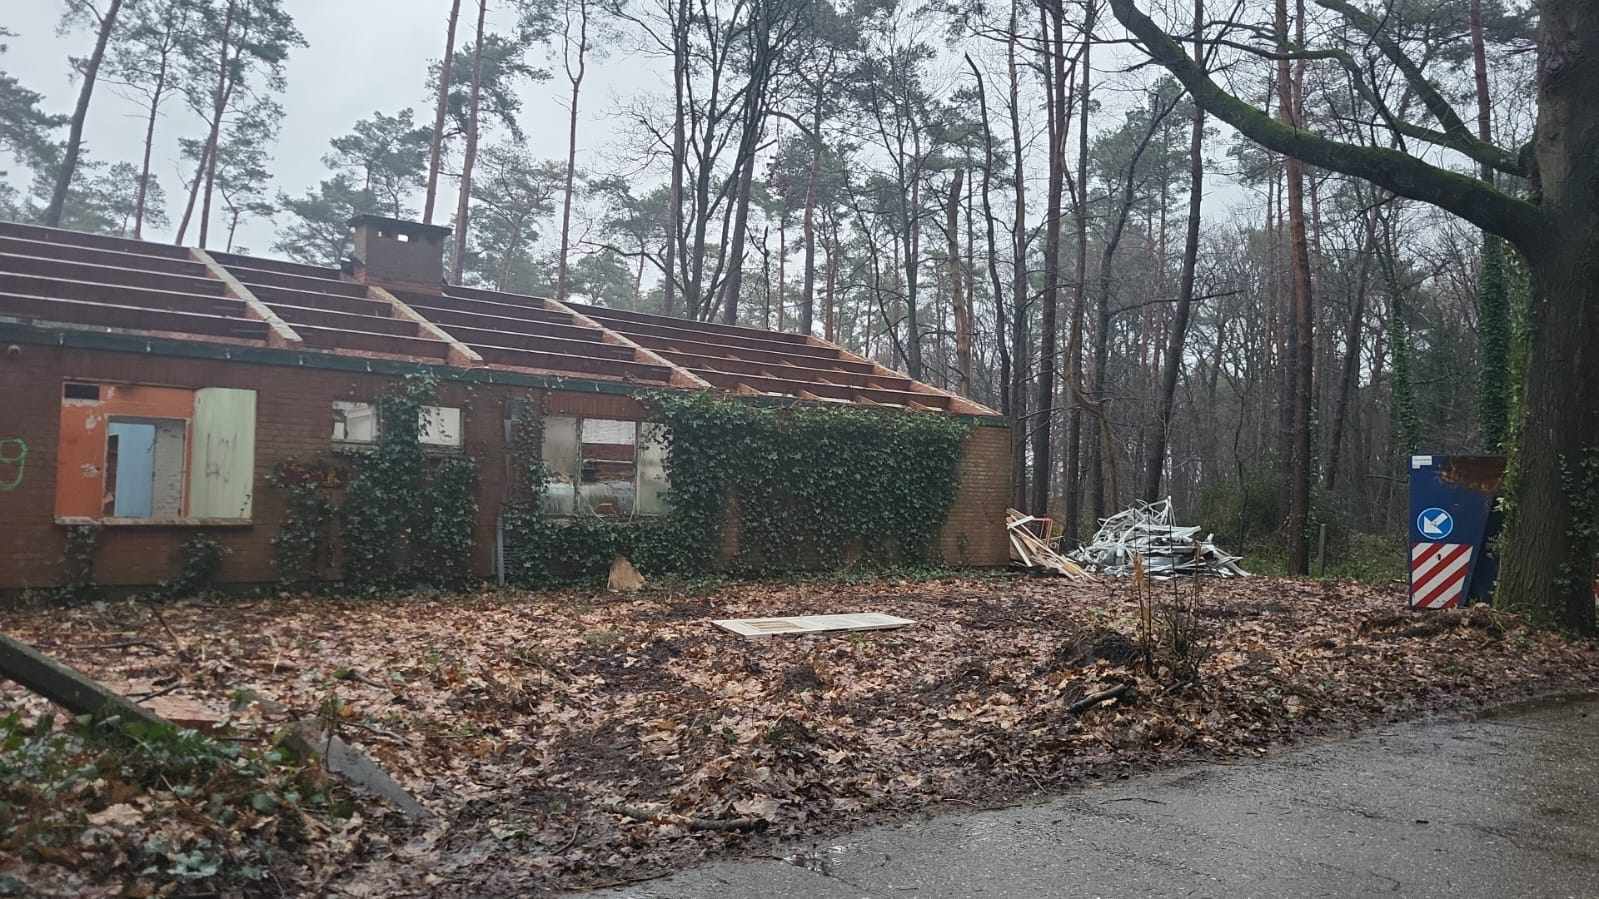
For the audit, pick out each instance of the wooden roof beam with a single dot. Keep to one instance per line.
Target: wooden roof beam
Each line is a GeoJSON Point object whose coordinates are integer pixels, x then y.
{"type": "Point", "coordinates": [681, 377]}
{"type": "Point", "coordinates": [950, 402]}
{"type": "Point", "coordinates": [461, 355]}
{"type": "Point", "coordinates": [279, 334]}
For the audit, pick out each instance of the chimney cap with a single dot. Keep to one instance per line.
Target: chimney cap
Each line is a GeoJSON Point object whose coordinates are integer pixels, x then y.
{"type": "Point", "coordinates": [418, 229]}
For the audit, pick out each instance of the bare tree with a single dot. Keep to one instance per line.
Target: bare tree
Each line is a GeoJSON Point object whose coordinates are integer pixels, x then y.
{"type": "Point", "coordinates": [104, 23]}
{"type": "Point", "coordinates": [1551, 540]}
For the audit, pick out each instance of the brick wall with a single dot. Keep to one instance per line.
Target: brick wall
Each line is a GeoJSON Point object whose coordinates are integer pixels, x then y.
{"type": "Point", "coordinates": [294, 422]}
{"type": "Point", "coordinates": [975, 531]}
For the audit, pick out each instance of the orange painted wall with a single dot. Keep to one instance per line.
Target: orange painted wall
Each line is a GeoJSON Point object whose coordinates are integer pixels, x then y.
{"type": "Point", "coordinates": [81, 453]}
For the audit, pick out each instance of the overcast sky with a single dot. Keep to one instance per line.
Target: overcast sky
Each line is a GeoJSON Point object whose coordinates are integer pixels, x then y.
{"type": "Point", "coordinates": [364, 55]}
{"type": "Point", "coordinates": [368, 55]}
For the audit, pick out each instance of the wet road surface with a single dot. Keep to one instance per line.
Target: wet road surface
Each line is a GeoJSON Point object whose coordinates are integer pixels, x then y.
{"type": "Point", "coordinates": [1501, 806]}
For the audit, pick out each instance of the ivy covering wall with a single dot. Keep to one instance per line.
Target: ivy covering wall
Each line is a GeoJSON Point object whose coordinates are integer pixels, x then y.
{"type": "Point", "coordinates": [805, 487]}
{"type": "Point", "coordinates": [406, 517]}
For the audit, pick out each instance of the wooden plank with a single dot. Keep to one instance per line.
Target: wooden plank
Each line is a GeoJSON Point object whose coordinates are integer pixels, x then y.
{"type": "Point", "coordinates": [67, 686]}
{"type": "Point", "coordinates": [811, 624]}
{"type": "Point", "coordinates": [279, 332]}
{"type": "Point", "coordinates": [460, 356]}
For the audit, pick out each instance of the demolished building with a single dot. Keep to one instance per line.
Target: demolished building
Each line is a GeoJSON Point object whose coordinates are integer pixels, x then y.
{"type": "Point", "coordinates": [151, 389]}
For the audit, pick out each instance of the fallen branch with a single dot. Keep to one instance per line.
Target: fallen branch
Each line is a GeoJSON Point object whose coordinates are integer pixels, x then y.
{"type": "Point", "coordinates": [726, 825]}
{"type": "Point", "coordinates": [1093, 699]}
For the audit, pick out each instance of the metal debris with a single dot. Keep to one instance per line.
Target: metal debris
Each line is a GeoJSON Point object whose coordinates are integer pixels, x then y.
{"type": "Point", "coordinates": [1168, 549]}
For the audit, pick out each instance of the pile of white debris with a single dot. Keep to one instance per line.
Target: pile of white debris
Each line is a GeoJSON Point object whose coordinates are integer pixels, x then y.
{"type": "Point", "coordinates": [1167, 548]}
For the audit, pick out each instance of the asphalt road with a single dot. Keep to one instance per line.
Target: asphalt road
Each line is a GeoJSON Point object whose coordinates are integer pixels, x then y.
{"type": "Point", "coordinates": [1500, 806]}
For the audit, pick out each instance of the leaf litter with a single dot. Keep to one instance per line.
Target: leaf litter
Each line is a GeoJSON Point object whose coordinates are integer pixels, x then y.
{"type": "Point", "coordinates": [573, 739]}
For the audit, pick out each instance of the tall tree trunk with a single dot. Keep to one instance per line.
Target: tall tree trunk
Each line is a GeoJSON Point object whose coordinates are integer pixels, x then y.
{"type": "Point", "coordinates": [1074, 345]}
{"type": "Point", "coordinates": [576, 78]}
{"type": "Point", "coordinates": [1101, 466]}
{"type": "Point", "coordinates": [912, 246]}
{"type": "Point", "coordinates": [1019, 281]}
{"type": "Point", "coordinates": [807, 309]}
{"type": "Point", "coordinates": [194, 193]}
{"type": "Point", "coordinates": [829, 325]}
{"type": "Point", "coordinates": [1303, 358]}
{"type": "Point", "coordinates": [1155, 461]}
{"type": "Point", "coordinates": [741, 211]}
{"type": "Point", "coordinates": [1052, 38]}
{"type": "Point", "coordinates": [436, 152]}
{"type": "Point", "coordinates": [141, 199]}
{"type": "Point", "coordinates": [224, 92]}
{"type": "Point", "coordinates": [1000, 329]}
{"type": "Point", "coordinates": [463, 202]}
{"type": "Point", "coordinates": [1351, 374]}
{"type": "Point", "coordinates": [69, 160]}
{"type": "Point", "coordinates": [674, 214]}
{"type": "Point", "coordinates": [959, 301]}
{"type": "Point", "coordinates": [1553, 537]}
{"type": "Point", "coordinates": [1493, 300]}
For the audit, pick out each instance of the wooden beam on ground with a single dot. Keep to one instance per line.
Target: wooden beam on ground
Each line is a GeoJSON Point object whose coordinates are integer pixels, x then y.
{"type": "Point", "coordinates": [279, 333]}
{"type": "Point", "coordinates": [461, 355]}
{"type": "Point", "coordinates": [67, 686]}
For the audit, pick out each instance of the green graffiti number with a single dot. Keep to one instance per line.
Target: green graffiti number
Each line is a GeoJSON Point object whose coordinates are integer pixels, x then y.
{"type": "Point", "coordinates": [13, 451]}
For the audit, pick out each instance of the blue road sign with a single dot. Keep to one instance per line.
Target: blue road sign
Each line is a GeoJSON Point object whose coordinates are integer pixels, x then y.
{"type": "Point", "coordinates": [1453, 523]}
{"type": "Point", "coordinates": [1435, 523]}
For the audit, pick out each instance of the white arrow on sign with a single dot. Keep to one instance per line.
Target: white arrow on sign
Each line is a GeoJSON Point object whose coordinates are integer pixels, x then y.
{"type": "Point", "coordinates": [1434, 526]}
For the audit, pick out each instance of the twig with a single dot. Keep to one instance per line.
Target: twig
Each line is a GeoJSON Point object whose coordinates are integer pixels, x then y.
{"type": "Point", "coordinates": [183, 651]}
{"type": "Point", "coordinates": [141, 697]}
{"type": "Point", "coordinates": [120, 644]}
{"type": "Point", "coordinates": [1093, 699]}
{"type": "Point", "coordinates": [692, 823]}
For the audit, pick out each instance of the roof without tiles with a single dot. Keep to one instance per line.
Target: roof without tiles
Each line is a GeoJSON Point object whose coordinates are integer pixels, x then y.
{"type": "Point", "coordinates": [76, 280]}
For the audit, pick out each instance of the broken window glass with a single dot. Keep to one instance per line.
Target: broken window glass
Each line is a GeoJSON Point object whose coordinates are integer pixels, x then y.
{"type": "Point", "coordinates": [652, 482]}
{"type": "Point", "coordinates": [560, 465]}
{"type": "Point", "coordinates": [355, 422]}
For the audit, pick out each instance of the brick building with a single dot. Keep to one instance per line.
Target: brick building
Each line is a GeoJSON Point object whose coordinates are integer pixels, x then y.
{"type": "Point", "coordinates": [151, 388]}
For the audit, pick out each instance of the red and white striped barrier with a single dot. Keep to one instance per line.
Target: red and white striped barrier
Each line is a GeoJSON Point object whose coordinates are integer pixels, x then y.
{"type": "Point", "coordinates": [1438, 574]}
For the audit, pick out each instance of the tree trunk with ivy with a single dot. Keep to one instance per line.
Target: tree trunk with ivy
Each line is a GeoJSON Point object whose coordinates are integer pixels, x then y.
{"type": "Point", "coordinates": [1493, 306]}
{"type": "Point", "coordinates": [1553, 489]}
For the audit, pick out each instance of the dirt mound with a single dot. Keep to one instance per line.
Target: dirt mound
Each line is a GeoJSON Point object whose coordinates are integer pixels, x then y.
{"type": "Point", "coordinates": [1099, 645]}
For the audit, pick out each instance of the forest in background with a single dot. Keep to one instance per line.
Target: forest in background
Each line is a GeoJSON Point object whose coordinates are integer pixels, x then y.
{"type": "Point", "coordinates": [1000, 199]}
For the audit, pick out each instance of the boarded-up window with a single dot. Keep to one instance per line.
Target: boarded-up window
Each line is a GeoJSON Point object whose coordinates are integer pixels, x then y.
{"type": "Point", "coordinates": [222, 463]}
{"type": "Point", "coordinates": [166, 454]}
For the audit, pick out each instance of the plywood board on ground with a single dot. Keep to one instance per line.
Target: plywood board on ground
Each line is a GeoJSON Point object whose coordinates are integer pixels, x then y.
{"type": "Point", "coordinates": [811, 624]}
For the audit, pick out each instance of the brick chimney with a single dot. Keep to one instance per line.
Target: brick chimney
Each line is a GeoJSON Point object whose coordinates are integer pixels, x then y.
{"type": "Point", "coordinates": [396, 252]}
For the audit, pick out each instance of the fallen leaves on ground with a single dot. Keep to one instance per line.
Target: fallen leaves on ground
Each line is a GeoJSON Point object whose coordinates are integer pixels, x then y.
{"type": "Point", "coordinates": [571, 739]}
